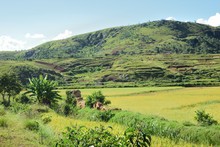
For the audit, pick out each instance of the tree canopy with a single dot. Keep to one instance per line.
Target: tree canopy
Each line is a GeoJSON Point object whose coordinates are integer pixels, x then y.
{"type": "Point", "coordinates": [9, 87]}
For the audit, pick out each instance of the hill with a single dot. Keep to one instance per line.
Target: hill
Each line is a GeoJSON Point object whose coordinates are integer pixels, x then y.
{"type": "Point", "coordinates": [147, 38]}
{"type": "Point", "coordinates": [154, 53]}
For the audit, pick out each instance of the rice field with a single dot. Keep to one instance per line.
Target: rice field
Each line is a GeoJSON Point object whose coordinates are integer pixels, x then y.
{"type": "Point", "coordinates": [59, 124]}
{"type": "Point", "coordinates": [173, 103]}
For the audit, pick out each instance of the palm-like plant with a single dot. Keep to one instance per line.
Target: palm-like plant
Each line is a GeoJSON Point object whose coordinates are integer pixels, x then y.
{"type": "Point", "coordinates": [44, 90]}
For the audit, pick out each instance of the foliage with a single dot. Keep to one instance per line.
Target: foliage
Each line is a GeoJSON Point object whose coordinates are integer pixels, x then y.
{"type": "Point", "coordinates": [170, 129]}
{"type": "Point", "coordinates": [105, 115]}
{"type": "Point", "coordinates": [23, 99]}
{"type": "Point", "coordinates": [205, 119]}
{"type": "Point", "coordinates": [2, 111]}
{"type": "Point", "coordinates": [141, 57]}
{"type": "Point", "coordinates": [9, 87]}
{"type": "Point", "coordinates": [19, 107]}
{"type": "Point", "coordinates": [170, 37]}
{"type": "Point", "coordinates": [44, 90]}
{"type": "Point", "coordinates": [3, 122]}
{"type": "Point", "coordinates": [101, 136]}
{"type": "Point", "coordinates": [32, 125]}
{"type": "Point", "coordinates": [96, 96]}
{"type": "Point", "coordinates": [36, 110]}
{"type": "Point", "coordinates": [70, 99]}
{"type": "Point", "coordinates": [46, 120]}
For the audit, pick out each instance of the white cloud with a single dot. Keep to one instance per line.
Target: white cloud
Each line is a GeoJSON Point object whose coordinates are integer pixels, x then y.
{"type": "Point", "coordinates": [63, 35]}
{"type": "Point", "coordinates": [212, 21]}
{"type": "Point", "coordinates": [170, 18]}
{"type": "Point", "coordinates": [34, 36]}
{"type": "Point", "coordinates": [9, 44]}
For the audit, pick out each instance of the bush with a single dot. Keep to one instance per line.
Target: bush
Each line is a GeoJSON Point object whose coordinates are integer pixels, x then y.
{"type": "Point", "coordinates": [32, 125]}
{"type": "Point", "coordinates": [2, 111]}
{"type": "Point", "coordinates": [70, 99]}
{"type": "Point", "coordinates": [3, 122]}
{"type": "Point", "coordinates": [105, 115]}
{"type": "Point", "coordinates": [18, 107]}
{"type": "Point", "coordinates": [205, 119]}
{"type": "Point", "coordinates": [96, 97]}
{"type": "Point", "coordinates": [24, 99]}
{"type": "Point", "coordinates": [66, 110]}
{"type": "Point", "coordinates": [100, 136]}
{"type": "Point", "coordinates": [46, 120]}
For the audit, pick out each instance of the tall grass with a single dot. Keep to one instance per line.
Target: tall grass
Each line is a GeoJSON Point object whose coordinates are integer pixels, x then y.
{"type": "Point", "coordinates": [170, 129]}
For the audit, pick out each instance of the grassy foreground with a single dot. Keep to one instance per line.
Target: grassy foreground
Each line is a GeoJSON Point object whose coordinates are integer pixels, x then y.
{"type": "Point", "coordinates": [15, 134]}
{"type": "Point", "coordinates": [164, 132]}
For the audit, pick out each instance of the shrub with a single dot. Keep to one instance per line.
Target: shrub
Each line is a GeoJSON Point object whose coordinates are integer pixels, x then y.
{"type": "Point", "coordinates": [66, 110]}
{"type": "Point", "coordinates": [24, 99]}
{"type": "Point", "coordinates": [205, 119]}
{"type": "Point", "coordinates": [100, 136]}
{"type": "Point", "coordinates": [18, 107]}
{"type": "Point", "coordinates": [2, 111]}
{"type": "Point", "coordinates": [32, 125]}
{"type": "Point", "coordinates": [105, 115]}
{"type": "Point", "coordinates": [96, 97]}
{"type": "Point", "coordinates": [46, 120]}
{"type": "Point", "coordinates": [3, 122]}
{"type": "Point", "coordinates": [70, 99]}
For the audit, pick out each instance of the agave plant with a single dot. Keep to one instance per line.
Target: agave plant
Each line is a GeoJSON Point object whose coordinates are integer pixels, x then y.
{"type": "Point", "coordinates": [44, 90]}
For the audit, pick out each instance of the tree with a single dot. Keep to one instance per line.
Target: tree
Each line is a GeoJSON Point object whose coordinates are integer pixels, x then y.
{"type": "Point", "coordinates": [44, 90]}
{"type": "Point", "coordinates": [96, 97]}
{"type": "Point", "coordinates": [204, 119]}
{"type": "Point", "coordinates": [9, 87]}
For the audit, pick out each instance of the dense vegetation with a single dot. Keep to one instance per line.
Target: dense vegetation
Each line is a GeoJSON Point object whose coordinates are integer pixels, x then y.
{"type": "Point", "coordinates": [158, 53]}
{"type": "Point", "coordinates": [147, 38]}
{"type": "Point", "coordinates": [43, 94]}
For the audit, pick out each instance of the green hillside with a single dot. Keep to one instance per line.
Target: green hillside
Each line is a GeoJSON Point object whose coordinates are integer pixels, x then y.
{"type": "Point", "coordinates": [147, 38]}
{"type": "Point", "coordinates": [154, 53]}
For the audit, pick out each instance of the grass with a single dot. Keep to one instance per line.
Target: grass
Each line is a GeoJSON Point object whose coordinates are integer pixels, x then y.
{"type": "Point", "coordinates": [16, 134]}
{"type": "Point", "coordinates": [164, 103]}
{"type": "Point", "coordinates": [113, 92]}
{"type": "Point", "coordinates": [172, 103]}
{"type": "Point", "coordinates": [59, 124]}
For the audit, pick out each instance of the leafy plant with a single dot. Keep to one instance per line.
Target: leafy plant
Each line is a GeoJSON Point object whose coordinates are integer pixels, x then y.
{"type": "Point", "coordinates": [2, 111]}
{"type": "Point", "coordinates": [96, 96]}
{"type": "Point", "coordinates": [44, 90]}
{"type": "Point", "coordinates": [70, 99]}
{"type": "Point", "coordinates": [24, 99]}
{"type": "Point", "coordinates": [106, 115]}
{"type": "Point", "coordinates": [101, 136]}
{"type": "Point", "coordinates": [18, 107]}
{"type": "Point", "coordinates": [9, 87]}
{"type": "Point", "coordinates": [32, 125]}
{"type": "Point", "coordinates": [205, 119]}
{"type": "Point", "coordinates": [46, 120]}
{"type": "Point", "coordinates": [3, 122]}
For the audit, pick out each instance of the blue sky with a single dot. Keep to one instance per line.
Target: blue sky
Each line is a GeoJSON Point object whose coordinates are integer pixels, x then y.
{"type": "Point", "coordinates": [27, 23]}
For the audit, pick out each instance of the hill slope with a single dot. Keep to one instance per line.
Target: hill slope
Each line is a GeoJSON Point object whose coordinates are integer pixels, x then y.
{"type": "Point", "coordinates": [153, 53]}
{"type": "Point", "coordinates": [147, 38]}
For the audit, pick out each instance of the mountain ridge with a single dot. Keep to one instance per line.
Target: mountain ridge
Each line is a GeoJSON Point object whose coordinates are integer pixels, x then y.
{"type": "Point", "coordinates": [159, 53]}
{"type": "Point", "coordinates": [147, 38]}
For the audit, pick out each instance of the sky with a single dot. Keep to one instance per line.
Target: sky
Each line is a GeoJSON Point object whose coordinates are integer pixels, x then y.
{"type": "Point", "coordinates": [28, 23]}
